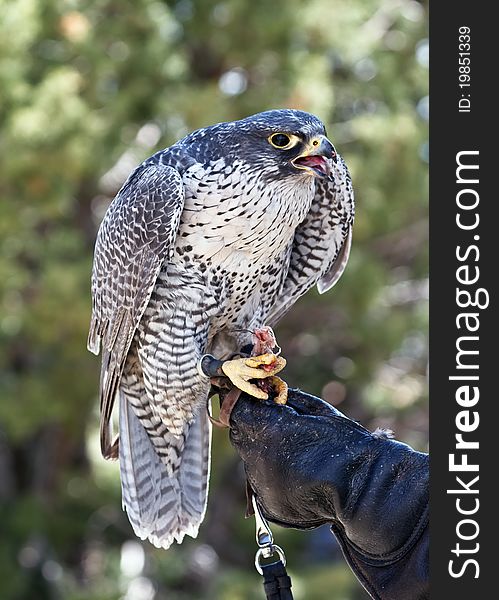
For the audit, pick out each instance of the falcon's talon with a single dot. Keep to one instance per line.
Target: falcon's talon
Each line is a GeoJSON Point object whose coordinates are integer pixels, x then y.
{"type": "Point", "coordinates": [279, 386]}
{"type": "Point", "coordinates": [269, 362]}
{"type": "Point", "coordinates": [240, 374]}
{"type": "Point", "coordinates": [241, 370]}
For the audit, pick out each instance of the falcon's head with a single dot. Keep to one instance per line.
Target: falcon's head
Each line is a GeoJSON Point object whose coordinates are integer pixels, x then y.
{"type": "Point", "coordinates": [293, 140]}
{"type": "Point", "coordinates": [277, 143]}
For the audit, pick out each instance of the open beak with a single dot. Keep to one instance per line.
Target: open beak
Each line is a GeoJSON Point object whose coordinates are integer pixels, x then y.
{"type": "Point", "coordinates": [314, 158]}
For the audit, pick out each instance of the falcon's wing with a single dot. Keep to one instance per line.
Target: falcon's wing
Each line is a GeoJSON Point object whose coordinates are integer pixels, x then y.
{"type": "Point", "coordinates": [322, 242]}
{"type": "Point", "coordinates": [134, 239]}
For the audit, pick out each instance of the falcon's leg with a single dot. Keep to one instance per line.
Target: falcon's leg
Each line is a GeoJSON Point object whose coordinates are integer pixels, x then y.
{"type": "Point", "coordinates": [265, 342]}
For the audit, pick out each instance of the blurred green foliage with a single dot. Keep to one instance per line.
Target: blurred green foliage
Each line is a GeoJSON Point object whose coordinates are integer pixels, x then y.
{"type": "Point", "coordinates": [89, 89]}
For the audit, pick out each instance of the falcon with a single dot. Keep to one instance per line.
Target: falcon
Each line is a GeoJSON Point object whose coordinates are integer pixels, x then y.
{"type": "Point", "coordinates": [207, 242]}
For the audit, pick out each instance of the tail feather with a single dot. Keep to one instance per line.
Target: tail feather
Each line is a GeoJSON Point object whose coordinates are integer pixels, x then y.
{"type": "Point", "coordinates": [194, 473]}
{"type": "Point", "coordinates": [163, 507]}
{"type": "Point", "coordinates": [140, 470]}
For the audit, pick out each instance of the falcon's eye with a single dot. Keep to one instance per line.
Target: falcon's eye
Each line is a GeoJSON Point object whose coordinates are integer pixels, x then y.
{"type": "Point", "coordinates": [283, 141]}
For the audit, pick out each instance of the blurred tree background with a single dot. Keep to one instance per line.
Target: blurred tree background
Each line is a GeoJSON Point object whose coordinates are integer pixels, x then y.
{"type": "Point", "coordinates": [88, 90]}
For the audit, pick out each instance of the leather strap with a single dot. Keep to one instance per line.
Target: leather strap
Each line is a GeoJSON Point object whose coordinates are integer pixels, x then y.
{"type": "Point", "coordinates": [276, 582]}
{"type": "Point", "coordinates": [227, 404]}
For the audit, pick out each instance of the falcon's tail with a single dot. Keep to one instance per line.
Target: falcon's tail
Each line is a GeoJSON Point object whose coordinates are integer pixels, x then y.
{"type": "Point", "coordinates": [163, 507]}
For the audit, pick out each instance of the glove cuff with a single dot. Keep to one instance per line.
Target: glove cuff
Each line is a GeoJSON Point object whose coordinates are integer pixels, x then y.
{"type": "Point", "coordinates": [402, 573]}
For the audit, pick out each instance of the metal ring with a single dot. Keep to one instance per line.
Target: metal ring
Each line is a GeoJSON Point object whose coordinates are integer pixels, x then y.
{"type": "Point", "coordinates": [199, 367]}
{"type": "Point", "coordinates": [260, 553]}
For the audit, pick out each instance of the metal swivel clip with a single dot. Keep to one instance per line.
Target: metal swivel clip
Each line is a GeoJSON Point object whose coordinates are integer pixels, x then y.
{"type": "Point", "coordinates": [264, 539]}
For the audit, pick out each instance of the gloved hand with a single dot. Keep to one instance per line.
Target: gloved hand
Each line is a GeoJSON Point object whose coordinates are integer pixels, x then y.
{"type": "Point", "coordinates": [308, 465]}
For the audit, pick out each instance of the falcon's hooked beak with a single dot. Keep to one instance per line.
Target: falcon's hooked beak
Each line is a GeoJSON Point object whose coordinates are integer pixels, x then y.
{"type": "Point", "coordinates": [313, 159]}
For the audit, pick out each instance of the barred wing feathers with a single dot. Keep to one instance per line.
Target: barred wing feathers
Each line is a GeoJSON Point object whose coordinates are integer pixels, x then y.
{"type": "Point", "coordinates": [134, 239]}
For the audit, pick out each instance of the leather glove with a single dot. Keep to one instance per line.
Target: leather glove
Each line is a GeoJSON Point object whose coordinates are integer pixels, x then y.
{"type": "Point", "coordinates": [309, 465]}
